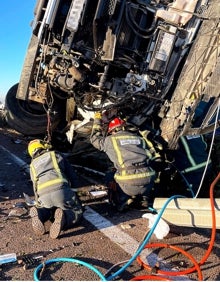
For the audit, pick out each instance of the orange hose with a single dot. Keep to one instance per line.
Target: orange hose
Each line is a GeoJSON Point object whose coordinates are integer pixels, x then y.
{"type": "Point", "coordinates": [204, 258]}
{"type": "Point", "coordinates": [172, 273]}
{"type": "Point", "coordinates": [212, 240]}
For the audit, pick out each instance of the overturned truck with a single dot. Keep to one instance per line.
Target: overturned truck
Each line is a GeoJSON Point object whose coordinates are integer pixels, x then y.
{"type": "Point", "coordinates": [155, 62]}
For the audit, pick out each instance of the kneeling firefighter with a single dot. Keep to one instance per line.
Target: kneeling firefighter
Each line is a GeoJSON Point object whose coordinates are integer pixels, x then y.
{"type": "Point", "coordinates": [52, 177]}
{"type": "Point", "coordinates": [130, 154]}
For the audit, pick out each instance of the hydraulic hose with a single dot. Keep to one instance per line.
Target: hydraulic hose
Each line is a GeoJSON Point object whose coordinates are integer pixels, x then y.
{"type": "Point", "coordinates": [39, 267]}
{"type": "Point", "coordinates": [149, 278]}
{"type": "Point", "coordinates": [152, 245]}
{"type": "Point", "coordinates": [172, 273]}
{"type": "Point", "coordinates": [111, 277]}
{"type": "Point", "coordinates": [206, 255]}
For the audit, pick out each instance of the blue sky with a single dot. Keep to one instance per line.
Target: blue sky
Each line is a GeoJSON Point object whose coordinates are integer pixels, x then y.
{"type": "Point", "coordinates": [15, 33]}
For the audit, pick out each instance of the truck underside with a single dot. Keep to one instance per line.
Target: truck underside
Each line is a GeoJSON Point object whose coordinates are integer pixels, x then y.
{"type": "Point", "coordinates": [155, 63]}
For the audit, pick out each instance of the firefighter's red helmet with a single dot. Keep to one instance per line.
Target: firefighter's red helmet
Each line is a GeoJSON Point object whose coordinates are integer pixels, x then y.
{"type": "Point", "coordinates": [116, 122]}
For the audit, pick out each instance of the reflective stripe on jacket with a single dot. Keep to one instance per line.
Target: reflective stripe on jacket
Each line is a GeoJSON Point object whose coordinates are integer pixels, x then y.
{"type": "Point", "coordinates": [132, 157]}
{"type": "Point", "coordinates": [45, 172]}
{"type": "Point", "coordinates": [135, 177]}
{"type": "Point", "coordinates": [129, 153]}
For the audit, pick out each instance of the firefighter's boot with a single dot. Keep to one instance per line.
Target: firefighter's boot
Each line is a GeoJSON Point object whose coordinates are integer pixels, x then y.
{"type": "Point", "coordinates": [39, 216]}
{"type": "Point", "coordinates": [58, 224]}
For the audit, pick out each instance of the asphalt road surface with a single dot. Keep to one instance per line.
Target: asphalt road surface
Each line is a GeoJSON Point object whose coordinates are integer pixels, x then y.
{"type": "Point", "coordinates": [104, 246]}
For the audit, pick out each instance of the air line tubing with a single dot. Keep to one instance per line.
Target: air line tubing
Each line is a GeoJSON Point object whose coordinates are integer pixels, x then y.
{"type": "Point", "coordinates": [40, 266]}
{"type": "Point", "coordinates": [152, 245]}
{"type": "Point", "coordinates": [206, 255]}
{"type": "Point", "coordinates": [122, 269]}
{"type": "Point", "coordinates": [111, 277]}
{"type": "Point", "coordinates": [143, 244]}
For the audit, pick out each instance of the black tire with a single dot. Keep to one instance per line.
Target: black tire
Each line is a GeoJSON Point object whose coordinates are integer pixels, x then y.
{"type": "Point", "coordinates": [27, 117]}
{"type": "Point", "coordinates": [29, 67]}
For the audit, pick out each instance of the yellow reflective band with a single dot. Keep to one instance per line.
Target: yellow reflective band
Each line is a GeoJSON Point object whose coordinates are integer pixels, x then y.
{"type": "Point", "coordinates": [117, 150]}
{"type": "Point", "coordinates": [55, 164]}
{"type": "Point", "coordinates": [33, 172]}
{"type": "Point", "coordinates": [118, 153]}
{"type": "Point", "coordinates": [149, 144]}
{"type": "Point", "coordinates": [50, 183]}
{"type": "Point", "coordinates": [134, 176]}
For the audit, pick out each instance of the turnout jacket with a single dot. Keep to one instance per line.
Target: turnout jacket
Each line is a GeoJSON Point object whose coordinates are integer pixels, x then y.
{"type": "Point", "coordinates": [50, 171]}
{"type": "Point", "coordinates": [129, 153]}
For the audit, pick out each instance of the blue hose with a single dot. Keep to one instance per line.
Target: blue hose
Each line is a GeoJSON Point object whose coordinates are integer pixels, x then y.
{"type": "Point", "coordinates": [38, 268]}
{"type": "Point", "coordinates": [111, 277]}
{"type": "Point", "coordinates": [145, 240]}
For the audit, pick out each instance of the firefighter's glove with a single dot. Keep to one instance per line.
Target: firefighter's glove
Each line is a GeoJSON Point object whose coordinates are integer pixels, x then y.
{"type": "Point", "coordinates": [97, 121]}
{"type": "Point", "coordinates": [98, 115]}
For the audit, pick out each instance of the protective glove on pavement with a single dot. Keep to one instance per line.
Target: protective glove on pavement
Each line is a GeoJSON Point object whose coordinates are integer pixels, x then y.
{"type": "Point", "coordinates": [162, 228]}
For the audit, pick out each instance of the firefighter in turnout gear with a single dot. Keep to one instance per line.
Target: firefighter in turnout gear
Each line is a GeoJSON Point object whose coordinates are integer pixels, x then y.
{"type": "Point", "coordinates": [132, 178]}
{"type": "Point", "coordinates": [53, 179]}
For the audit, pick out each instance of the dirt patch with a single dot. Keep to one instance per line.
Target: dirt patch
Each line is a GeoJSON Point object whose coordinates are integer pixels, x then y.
{"type": "Point", "coordinates": [84, 242]}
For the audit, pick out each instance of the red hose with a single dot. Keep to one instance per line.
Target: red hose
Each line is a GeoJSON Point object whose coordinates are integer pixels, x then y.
{"type": "Point", "coordinates": [206, 255]}
{"type": "Point", "coordinates": [149, 277]}
{"type": "Point", "coordinates": [171, 273]}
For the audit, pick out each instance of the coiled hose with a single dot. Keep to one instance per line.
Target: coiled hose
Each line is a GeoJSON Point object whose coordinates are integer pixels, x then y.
{"type": "Point", "coordinates": [144, 245]}
{"type": "Point", "coordinates": [39, 267]}
{"type": "Point", "coordinates": [122, 269]}
{"type": "Point", "coordinates": [196, 265]}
